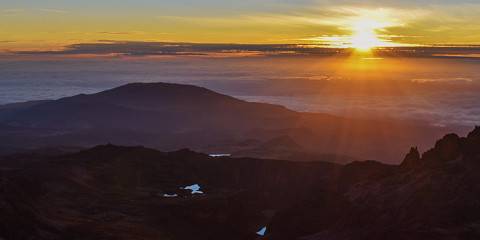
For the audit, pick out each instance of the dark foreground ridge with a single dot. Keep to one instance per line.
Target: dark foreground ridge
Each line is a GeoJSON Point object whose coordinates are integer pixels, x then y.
{"type": "Point", "coordinates": [112, 192]}
{"type": "Point", "coordinates": [173, 116]}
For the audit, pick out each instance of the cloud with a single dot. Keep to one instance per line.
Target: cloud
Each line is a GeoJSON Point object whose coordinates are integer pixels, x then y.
{"type": "Point", "coordinates": [18, 11]}
{"type": "Point", "coordinates": [52, 10]}
{"type": "Point", "coordinates": [141, 48]}
{"type": "Point", "coordinates": [115, 33]}
{"type": "Point", "coordinates": [128, 48]}
{"type": "Point", "coordinates": [12, 11]}
{"type": "Point", "coordinates": [442, 80]}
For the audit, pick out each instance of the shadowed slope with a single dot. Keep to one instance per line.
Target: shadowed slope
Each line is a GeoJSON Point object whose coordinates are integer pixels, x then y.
{"type": "Point", "coordinates": [172, 116]}
{"type": "Point", "coordinates": [111, 192]}
{"type": "Point", "coordinates": [432, 197]}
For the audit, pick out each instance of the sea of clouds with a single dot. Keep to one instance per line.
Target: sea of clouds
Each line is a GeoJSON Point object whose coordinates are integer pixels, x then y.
{"type": "Point", "coordinates": [441, 91]}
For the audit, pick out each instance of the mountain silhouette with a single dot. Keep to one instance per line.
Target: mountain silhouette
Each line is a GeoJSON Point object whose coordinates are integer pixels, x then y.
{"type": "Point", "coordinates": [114, 192]}
{"type": "Point", "coordinates": [427, 197]}
{"type": "Point", "coordinates": [173, 116]}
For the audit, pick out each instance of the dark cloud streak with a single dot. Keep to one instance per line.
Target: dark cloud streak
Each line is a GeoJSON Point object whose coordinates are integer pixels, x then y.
{"type": "Point", "coordinates": [131, 48]}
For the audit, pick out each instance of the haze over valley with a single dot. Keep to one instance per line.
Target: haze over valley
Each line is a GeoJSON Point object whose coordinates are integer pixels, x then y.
{"type": "Point", "coordinates": [442, 92]}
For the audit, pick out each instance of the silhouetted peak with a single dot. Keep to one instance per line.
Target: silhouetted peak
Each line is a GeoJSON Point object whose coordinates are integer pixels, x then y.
{"type": "Point", "coordinates": [158, 96]}
{"type": "Point", "coordinates": [472, 142]}
{"type": "Point", "coordinates": [412, 158]}
{"type": "Point", "coordinates": [162, 90]}
{"type": "Point", "coordinates": [158, 86]}
{"type": "Point", "coordinates": [475, 134]}
{"type": "Point", "coordinates": [447, 139]}
{"type": "Point", "coordinates": [446, 149]}
{"type": "Point", "coordinates": [186, 152]}
{"type": "Point", "coordinates": [449, 146]}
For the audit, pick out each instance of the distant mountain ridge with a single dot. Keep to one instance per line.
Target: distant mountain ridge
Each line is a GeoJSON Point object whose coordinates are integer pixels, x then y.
{"type": "Point", "coordinates": [135, 98]}
{"type": "Point", "coordinates": [171, 116]}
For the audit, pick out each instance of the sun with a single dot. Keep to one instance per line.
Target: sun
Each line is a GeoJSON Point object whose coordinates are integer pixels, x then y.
{"type": "Point", "coordinates": [364, 30]}
{"type": "Point", "coordinates": [365, 34]}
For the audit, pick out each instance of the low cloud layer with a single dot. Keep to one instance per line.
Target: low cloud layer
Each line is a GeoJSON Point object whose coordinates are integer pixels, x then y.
{"type": "Point", "coordinates": [444, 91]}
{"type": "Point", "coordinates": [129, 48]}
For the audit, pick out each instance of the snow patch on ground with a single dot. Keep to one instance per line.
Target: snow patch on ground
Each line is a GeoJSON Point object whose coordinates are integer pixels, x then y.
{"type": "Point", "coordinates": [262, 231]}
{"type": "Point", "coordinates": [170, 195]}
{"type": "Point", "coordinates": [219, 155]}
{"type": "Point", "coordinates": [195, 188]}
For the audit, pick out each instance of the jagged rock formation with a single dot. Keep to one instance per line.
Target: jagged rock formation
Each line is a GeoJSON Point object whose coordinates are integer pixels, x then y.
{"type": "Point", "coordinates": [412, 158]}
{"type": "Point", "coordinates": [432, 197]}
{"type": "Point", "coordinates": [111, 192]}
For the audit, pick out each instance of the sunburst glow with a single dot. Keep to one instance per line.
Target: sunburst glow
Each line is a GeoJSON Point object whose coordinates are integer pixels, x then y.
{"type": "Point", "coordinates": [365, 34]}
{"type": "Point", "coordinates": [366, 29]}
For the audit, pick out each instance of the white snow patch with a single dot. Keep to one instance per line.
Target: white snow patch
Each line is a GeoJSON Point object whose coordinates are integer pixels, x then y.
{"type": "Point", "coordinates": [262, 231]}
{"type": "Point", "coordinates": [170, 195]}
{"type": "Point", "coordinates": [219, 155]}
{"type": "Point", "coordinates": [195, 188]}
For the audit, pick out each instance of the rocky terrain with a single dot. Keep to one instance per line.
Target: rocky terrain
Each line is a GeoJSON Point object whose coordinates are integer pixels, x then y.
{"type": "Point", "coordinates": [113, 192]}
{"type": "Point", "coordinates": [428, 196]}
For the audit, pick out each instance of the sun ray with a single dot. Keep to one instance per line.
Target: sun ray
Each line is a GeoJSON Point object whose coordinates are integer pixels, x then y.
{"type": "Point", "coordinates": [365, 34]}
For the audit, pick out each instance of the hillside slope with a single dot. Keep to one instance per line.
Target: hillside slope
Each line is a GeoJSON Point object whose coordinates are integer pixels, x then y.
{"type": "Point", "coordinates": [112, 192]}
{"type": "Point", "coordinates": [172, 116]}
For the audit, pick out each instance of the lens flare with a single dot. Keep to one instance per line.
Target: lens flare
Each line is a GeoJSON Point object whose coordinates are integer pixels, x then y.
{"type": "Point", "coordinates": [365, 35]}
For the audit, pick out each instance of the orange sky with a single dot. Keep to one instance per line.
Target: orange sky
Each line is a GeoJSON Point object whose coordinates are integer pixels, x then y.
{"type": "Point", "coordinates": [30, 25]}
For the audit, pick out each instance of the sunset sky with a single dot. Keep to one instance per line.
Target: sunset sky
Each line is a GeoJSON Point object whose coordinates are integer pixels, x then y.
{"type": "Point", "coordinates": [52, 24]}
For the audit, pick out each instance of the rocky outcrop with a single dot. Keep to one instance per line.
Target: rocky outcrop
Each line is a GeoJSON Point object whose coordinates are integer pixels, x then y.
{"type": "Point", "coordinates": [412, 158]}
{"type": "Point", "coordinates": [112, 192]}
{"type": "Point", "coordinates": [429, 197]}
